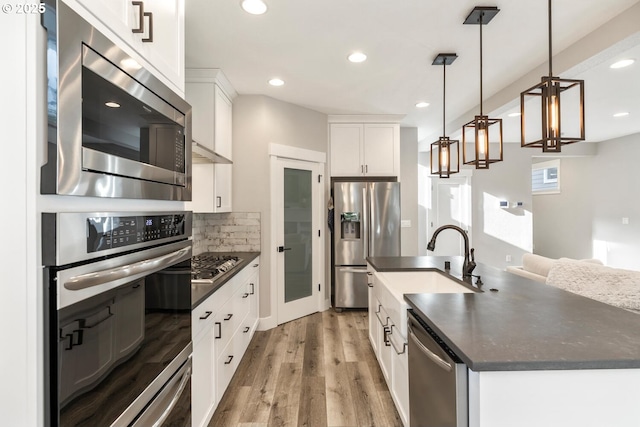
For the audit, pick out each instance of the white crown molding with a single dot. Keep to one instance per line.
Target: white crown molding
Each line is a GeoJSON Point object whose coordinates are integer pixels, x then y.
{"type": "Point", "coordinates": [211, 75]}
{"type": "Point", "coordinates": [365, 118]}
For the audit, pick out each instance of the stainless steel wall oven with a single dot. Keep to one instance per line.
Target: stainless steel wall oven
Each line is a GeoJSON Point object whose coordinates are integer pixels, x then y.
{"type": "Point", "coordinates": [114, 130]}
{"type": "Point", "coordinates": [114, 356]}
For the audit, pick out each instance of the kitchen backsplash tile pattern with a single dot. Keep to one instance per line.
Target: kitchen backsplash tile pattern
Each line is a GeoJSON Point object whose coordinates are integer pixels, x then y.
{"type": "Point", "coordinates": [226, 232]}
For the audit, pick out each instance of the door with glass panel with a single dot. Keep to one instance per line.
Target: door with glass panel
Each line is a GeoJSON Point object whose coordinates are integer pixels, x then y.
{"type": "Point", "coordinates": [298, 248]}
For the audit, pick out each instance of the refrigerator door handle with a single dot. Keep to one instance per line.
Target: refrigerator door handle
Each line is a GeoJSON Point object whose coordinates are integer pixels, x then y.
{"type": "Point", "coordinates": [362, 270]}
{"type": "Point", "coordinates": [365, 222]}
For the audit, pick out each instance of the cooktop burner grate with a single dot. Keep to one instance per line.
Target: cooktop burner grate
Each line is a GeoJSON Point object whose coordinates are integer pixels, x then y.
{"type": "Point", "coordinates": [209, 266]}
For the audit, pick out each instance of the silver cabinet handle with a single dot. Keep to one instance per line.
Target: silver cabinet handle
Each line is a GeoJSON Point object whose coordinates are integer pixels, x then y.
{"type": "Point", "coordinates": [431, 355]}
{"type": "Point", "coordinates": [404, 344]}
{"type": "Point", "coordinates": [245, 295]}
{"type": "Point", "coordinates": [219, 334]}
{"type": "Point", "coordinates": [149, 39]}
{"type": "Point", "coordinates": [132, 271]}
{"type": "Point", "coordinates": [379, 318]}
{"type": "Point", "coordinates": [253, 288]}
{"type": "Point", "coordinates": [218, 201]}
{"type": "Point", "coordinates": [366, 168]}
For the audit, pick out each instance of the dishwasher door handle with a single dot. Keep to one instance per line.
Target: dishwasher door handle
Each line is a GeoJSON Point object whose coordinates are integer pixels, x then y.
{"type": "Point", "coordinates": [431, 355]}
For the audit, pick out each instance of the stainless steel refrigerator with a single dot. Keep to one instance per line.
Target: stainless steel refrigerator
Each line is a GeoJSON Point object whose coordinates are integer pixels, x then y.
{"type": "Point", "coordinates": [366, 223]}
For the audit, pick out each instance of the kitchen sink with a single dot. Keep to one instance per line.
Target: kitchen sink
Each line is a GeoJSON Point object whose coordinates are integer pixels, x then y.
{"type": "Point", "coordinates": [390, 288]}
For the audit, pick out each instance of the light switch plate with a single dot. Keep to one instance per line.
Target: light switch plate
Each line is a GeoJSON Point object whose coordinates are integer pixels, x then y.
{"type": "Point", "coordinates": [405, 223]}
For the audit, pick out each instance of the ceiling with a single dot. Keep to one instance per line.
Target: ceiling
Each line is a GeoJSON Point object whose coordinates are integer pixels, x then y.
{"type": "Point", "coordinates": [306, 43]}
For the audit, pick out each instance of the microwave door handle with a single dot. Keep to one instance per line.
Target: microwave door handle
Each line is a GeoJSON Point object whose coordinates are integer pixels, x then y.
{"type": "Point", "coordinates": [132, 271]}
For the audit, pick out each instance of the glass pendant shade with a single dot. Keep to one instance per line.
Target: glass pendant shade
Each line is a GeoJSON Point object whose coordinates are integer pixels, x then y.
{"type": "Point", "coordinates": [552, 112]}
{"type": "Point", "coordinates": [445, 157]}
{"type": "Point", "coordinates": [482, 142]}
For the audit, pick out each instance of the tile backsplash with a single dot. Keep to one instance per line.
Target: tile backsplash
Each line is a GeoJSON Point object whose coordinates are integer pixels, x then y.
{"type": "Point", "coordinates": [226, 232]}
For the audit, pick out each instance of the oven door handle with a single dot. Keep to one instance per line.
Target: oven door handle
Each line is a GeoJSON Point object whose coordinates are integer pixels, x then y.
{"type": "Point", "coordinates": [139, 268]}
{"type": "Point", "coordinates": [183, 382]}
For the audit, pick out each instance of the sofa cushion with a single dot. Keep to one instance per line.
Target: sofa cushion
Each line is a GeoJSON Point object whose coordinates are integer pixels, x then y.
{"type": "Point", "coordinates": [537, 264]}
{"type": "Point", "coordinates": [605, 284]}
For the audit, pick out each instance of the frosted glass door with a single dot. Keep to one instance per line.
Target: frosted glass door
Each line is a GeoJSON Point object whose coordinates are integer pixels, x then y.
{"type": "Point", "coordinates": [298, 215]}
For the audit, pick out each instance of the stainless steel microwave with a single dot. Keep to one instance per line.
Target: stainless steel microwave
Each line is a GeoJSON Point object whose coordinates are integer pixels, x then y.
{"type": "Point", "coordinates": [114, 130]}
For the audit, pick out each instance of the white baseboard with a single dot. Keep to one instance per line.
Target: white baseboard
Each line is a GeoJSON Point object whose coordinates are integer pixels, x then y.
{"type": "Point", "coordinates": [266, 323]}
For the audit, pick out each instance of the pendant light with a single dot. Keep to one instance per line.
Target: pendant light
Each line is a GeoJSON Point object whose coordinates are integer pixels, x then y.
{"type": "Point", "coordinates": [482, 128]}
{"type": "Point", "coordinates": [447, 151]}
{"type": "Point", "coordinates": [550, 98]}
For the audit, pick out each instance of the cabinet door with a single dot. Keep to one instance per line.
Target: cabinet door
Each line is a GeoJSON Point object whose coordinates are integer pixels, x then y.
{"type": "Point", "coordinates": [203, 397]}
{"type": "Point", "coordinates": [223, 187]}
{"type": "Point", "coordinates": [400, 378]}
{"type": "Point", "coordinates": [203, 199]}
{"type": "Point", "coordinates": [381, 149]}
{"type": "Point", "coordinates": [223, 123]}
{"type": "Point", "coordinates": [373, 322]}
{"type": "Point", "coordinates": [252, 288]}
{"type": "Point", "coordinates": [201, 96]}
{"type": "Point", "coordinates": [346, 149]}
{"type": "Point", "coordinates": [166, 51]}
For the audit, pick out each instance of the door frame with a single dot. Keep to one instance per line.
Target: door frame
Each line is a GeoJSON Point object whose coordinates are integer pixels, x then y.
{"type": "Point", "coordinates": [317, 160]}
{"type": "Point", "coordinates": [433, 222]}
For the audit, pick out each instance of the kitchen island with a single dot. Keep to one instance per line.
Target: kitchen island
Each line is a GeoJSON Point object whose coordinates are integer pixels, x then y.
{"type": "Point", "coordinates": [537, 355]}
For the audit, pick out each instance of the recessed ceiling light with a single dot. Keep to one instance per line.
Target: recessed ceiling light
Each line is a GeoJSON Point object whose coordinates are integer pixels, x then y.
{"type": "Point", "coordinates": [357, 57]}
{"type": "Point", "coordinates": [254, 7]}
{"type": "Point", "coordinates": [621, 114]}
{"type": "Point", "coordinates": [622, 63]}
{"type": "Point", "coordinates": [112, 104]}
{"type": "Point", "coordinates": [422, 104]}
{"type": "Point", "coordinates": [516, 114]}
{"type": "Point", "coordinates": [276, 82]}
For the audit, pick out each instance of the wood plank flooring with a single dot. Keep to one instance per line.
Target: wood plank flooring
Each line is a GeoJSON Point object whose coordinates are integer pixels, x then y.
{"type": "Point", "coordinates": [315, 371]}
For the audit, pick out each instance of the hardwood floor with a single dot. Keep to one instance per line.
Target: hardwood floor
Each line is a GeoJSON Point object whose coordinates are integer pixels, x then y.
{"type": "Point", "coordinates": [316, 371]}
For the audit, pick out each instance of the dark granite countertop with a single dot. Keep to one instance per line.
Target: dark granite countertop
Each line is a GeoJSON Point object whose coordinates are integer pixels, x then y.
{"type": "Point", "coordinates": [201, 292]}
{"type": "Point", "coordinates": [525, 325]}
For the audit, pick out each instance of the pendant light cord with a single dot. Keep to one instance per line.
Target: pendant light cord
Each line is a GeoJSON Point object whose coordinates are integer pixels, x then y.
{"type": "Point", "coordinates": [444, 93]}
{"type": "Point", "coordinates": [481, 15]}
{"type": "Point", "coordinates": [550, 45]}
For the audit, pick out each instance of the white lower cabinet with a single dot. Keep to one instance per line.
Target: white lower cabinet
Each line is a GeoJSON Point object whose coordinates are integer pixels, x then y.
{"type": "Point", "coordinates": [222, 326]}
{"type": "Point", "coordinates": [390, 348]}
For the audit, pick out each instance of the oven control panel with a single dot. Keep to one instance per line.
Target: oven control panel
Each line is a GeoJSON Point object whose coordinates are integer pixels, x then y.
{"type": "Point", "coordinates": [111, 232]}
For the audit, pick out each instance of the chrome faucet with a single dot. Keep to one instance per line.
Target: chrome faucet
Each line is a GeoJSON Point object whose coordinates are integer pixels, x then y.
{"type": "Point", "coordinates": [469, 264]}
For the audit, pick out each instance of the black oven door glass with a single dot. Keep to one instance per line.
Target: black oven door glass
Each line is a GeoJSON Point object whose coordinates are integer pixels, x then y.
{"type": "Point", "coordinates": [118, 124]}
{"type": "Point", "coordinates": [113, 345]}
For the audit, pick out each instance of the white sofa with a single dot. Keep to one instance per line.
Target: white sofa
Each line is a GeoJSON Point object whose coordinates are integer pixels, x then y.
{"type": "Point", "coordinates": [588, 278]}
{"type": "Point", "coordinates": [537, 267]}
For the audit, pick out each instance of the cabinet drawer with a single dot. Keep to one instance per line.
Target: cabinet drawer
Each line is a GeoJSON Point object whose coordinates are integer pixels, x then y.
{"type": "Point", "coordinates": [226, 365]}
{"type": "Point", "coordinates": [229, 319]}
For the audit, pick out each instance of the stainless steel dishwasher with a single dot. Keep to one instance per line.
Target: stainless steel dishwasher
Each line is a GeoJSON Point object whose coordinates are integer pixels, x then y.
{"type": "Point", "coordinates": [438, 394]}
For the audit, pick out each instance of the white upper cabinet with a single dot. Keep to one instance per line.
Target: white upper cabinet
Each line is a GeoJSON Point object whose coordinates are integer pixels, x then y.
{"type": "Point", "coordinates": [210, 95]}
{"type": "Point", "coordinates": [156, 40]}
{"type": "Point", "coordinates": [364, 149]}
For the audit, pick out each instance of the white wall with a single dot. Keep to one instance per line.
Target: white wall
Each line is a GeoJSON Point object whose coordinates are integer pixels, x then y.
{"type": "Point", "coordinates": [616, 184]}
{"type": "Point", "coordinates": [258, 121]}
{"type": "Point", "coordinates": [562, 223]}
{"type": "Point", "coordinates": [497, 232]}
{"type": "Point", "coordinates": [409, 190]}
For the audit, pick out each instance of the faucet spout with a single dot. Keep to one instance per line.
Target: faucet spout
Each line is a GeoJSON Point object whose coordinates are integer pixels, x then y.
{"type": "Point", "coordinates": [469, 256]}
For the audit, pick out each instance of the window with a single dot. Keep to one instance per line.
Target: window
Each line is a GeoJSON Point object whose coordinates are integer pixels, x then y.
{"type": "Point", "coordinates": [545, 177]}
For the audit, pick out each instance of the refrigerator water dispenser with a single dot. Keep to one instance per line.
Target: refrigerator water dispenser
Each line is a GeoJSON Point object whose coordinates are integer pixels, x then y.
{"type": "Point", "coordinates": [350, 226]}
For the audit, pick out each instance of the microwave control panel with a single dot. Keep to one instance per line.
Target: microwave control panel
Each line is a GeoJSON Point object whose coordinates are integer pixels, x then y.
{"type": "Point", "coordinates": [111, 232]}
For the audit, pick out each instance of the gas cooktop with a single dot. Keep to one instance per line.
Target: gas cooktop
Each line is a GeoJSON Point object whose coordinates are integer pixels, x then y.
{"type": "Point", "coordinates": [207, 267]}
